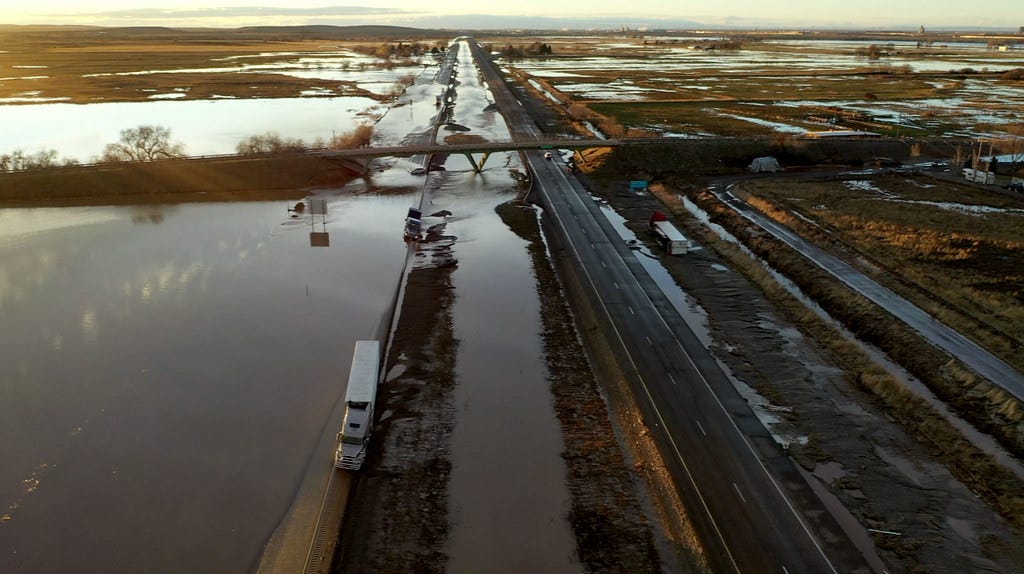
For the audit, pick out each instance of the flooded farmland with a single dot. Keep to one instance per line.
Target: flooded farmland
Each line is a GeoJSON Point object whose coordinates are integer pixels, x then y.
{"type": "Point", "coordinates": [84, 129]}
{"type": "Point", "coordinates": [693, 87]}
{"type": "Point", "coordinates": [167, 371]}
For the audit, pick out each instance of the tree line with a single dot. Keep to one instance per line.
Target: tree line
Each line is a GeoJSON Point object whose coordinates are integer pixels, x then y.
{"type": "Point", "coordinates": [511, 52]}
{"type": "Point", "coordinates": [153, 142]}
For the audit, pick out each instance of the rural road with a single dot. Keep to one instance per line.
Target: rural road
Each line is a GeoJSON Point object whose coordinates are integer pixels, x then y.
{"type": "Point", "coordinates": [976, 358]}
{"type": "Point", "coordinates": [749, 502]}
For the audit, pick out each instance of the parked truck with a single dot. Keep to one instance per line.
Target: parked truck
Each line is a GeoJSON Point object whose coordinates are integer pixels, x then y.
{"type": "Point", "coordinates": [674, 242]}
{"type": "Point", "coordinates": [354, 437]}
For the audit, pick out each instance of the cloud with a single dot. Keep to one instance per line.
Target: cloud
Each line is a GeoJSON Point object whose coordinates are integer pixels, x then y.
{"type": "Point", "coordinates": [166, 14]}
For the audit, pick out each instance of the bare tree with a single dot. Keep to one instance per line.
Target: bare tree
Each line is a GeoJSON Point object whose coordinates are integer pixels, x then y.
{"type": "Point", "coordinates": [269, 142]}
{"type": "Point", "coordinates": [144, 143]}
{"type": "Point", "coordinates": [18, 160]}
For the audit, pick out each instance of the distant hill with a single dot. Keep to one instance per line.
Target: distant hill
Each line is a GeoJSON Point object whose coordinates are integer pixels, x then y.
{"type": "Point", "coordinates": [337, 32]}
{"type": "Point", "coordinates": [15, 28]}
{"type": "Point", "coordinates": [41, 37]}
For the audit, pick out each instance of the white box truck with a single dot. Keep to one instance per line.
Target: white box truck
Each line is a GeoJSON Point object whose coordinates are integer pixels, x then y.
{"type": "Point", "coordinates": [354, 437]}
{"type": "Point", "coordinates": [674, 242]}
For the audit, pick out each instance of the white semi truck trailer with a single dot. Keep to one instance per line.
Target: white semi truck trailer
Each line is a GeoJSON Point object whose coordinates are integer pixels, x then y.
{"type": "Point", "coordinates": [354, 437]}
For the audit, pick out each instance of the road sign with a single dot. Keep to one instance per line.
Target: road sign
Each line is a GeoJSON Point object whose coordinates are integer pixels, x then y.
{"type": "Point", "coordinates": [317, 206]}
{"type": "Point", "coordinates": [319, 239]}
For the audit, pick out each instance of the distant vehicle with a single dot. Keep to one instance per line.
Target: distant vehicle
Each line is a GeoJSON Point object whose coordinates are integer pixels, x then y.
{"type": "Point", "coordinates": [413, 229]}
{"type": "Point", "coordinates": [885, 162]}
{"type": "Point", "coordinates": [674, 242]}
{"type": "Point", "coordinates": [419, 171]}
{"type": "Point", "coordinates": [764, 164]}
{"type": "Point", "coordinates": [547, 155]}
{"type": "Point", "coordinates": [354, 437]}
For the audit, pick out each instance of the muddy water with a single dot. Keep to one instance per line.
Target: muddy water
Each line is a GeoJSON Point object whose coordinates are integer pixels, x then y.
{"type": "Point", "coordinates": [507, 492]}
{"type": "Point", "coordinates": [165, 373]}
{"type": "Point", "coordinates": [508, 496]}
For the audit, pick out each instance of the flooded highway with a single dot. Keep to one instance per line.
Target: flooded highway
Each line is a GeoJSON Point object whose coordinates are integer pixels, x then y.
{"type": "Point", "coordinates": [165, 372]}
{"type": "Point", "coordinates": [168, 370]}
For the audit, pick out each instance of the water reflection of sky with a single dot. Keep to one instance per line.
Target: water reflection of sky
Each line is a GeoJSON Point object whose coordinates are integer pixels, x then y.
{"type": "Point", "coordinates": [166, 370]}
{"type": "Point", "coordinates": [506, 435]}
{"type": "Point", "coordinates": [206, 127]}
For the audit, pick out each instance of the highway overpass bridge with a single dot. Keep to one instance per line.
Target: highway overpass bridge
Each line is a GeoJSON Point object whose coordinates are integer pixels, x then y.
{"type": "Point", "coordinates": [355, 158]}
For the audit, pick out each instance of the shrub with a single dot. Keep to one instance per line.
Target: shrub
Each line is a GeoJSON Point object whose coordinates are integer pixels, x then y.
{"type": "Point", "coordinates": [269, 142]}
{"type": "Point", "coordinates": [360, 137]}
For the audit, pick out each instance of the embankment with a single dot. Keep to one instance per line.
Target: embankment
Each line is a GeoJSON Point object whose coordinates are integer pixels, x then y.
{"type": "Point", "coordinates": [174, 180]}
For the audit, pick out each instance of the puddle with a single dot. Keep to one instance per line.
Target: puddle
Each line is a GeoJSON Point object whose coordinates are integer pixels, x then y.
{"type": "Point", "coordinates": [829, 472]}
{"type": "Point", "coordinates": [777, 126]}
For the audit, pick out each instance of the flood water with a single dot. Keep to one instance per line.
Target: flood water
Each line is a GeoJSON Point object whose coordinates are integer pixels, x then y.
{"type": "Point", "coordinates": [166, 371]}
{"type": "Point", "coordinates": [509, 502]}
{"type": "Point", "coordinates": [81, 131]}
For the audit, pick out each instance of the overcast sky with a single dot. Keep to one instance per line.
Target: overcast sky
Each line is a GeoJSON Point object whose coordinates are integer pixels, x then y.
{"type": "Point", "coordinates": [231, 13]}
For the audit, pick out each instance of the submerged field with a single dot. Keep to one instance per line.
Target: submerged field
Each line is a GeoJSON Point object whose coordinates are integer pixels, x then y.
{"type": "Point", "coordinates": [116, 66]}
{"type": "Point", "coordinates": [73, 92]}
{"type": "Point", "coordinates": [698, 85]}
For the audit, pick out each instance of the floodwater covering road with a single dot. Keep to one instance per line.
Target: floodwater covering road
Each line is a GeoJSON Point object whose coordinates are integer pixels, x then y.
{"type": "Point", "coordinates": [165, 372]}
{"type": "Point", "coordinates": [507, 493]}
